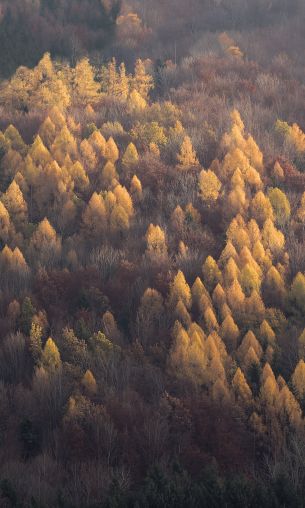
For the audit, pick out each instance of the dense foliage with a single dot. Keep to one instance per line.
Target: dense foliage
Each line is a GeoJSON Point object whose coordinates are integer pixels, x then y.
{"type": "Point", "coordinates": [152, 265]}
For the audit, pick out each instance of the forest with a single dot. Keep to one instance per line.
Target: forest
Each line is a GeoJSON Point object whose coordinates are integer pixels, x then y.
{"type": "Point", "coordinates": [152, 254]}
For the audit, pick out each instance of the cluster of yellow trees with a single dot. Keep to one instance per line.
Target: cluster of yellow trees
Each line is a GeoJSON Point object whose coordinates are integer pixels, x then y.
{"type": "Point", "coordinates": [50, 84]}
{"type": "Point", "coordinates": [64, 191]}
{"type": "Point", "coordinates": [233, 330]}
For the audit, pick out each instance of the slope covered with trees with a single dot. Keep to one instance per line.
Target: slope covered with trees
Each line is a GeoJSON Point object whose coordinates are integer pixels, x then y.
{"type": "Point", "coordinates": [152, 297]}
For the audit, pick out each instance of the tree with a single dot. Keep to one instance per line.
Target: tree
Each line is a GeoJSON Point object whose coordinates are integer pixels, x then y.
{"type": "Point", "coordinates": [136, 102]}
{"type": "Point", "coordinates": [130, 156]}
{"type": "Point", "coordinates": [236, 201]}
{"type": "Point", "coordinates": [261, 208]}
{"type": "Point", "coordinates": [211, 273]}
{"type": "Point", "coordinates": [98, 142]}
{"type": "Point", "coordinates": [39, 154]}
{"type": "Point", "coordinates": [5, 223]}
{"type": "Point", "coordinates": [297, 292]}
{"type": "Point", "coordinates": [235, 296]}
{"type": "Point", "coordinates": [182, 314]}
{"type": "Point", "coordinates": [301, 343]}
{"type": "Point", "coordinates": [109, 176]}
{"type": "Point", "coordinates": [119, 219]}
{"type": "Point", "coordinates": [278, 172]}
{"type": "Point", "coordinates": [274, 287]}
{"type": "Point", "coordinates": [15, 204]}
{"type": "Point", "coordinates": [298, 379]}
{"type": "Point", "coordinates": [64, 144]}
{"type": "Point", "coordinates": [280, 205]}
{"type": "Point", "coordinates": [95, 217]}
{"type": "Point", "coordinates": [250, 341]}
{"type": "Point", "coordinates": [142, 82]}
{"type": "Point", "coordinates": [231, 272]}
{"type": "Point", "coordinates": [124, 199]}
{"type": "Point", "coordinates": [288, 407]}
{"type": "Point", "coordinates": [269, 389]}
{"type": "Point", "coordinates": [45, 245]}
{"type": "Point", "coordinates": [85, 88]}
{"type": "Point", "coordinates": [198, 290]}
{"type": "Point", "coordinates": [210, 319]}
{"type": "Point", "coordinates": [301, 210]}
{"type": "Point", "coordinates": [187, 356]}
{"type": "Point", "coordinates": [273, 239]}
{"type": "Point", "coordinates": [35, 341]}
{"type": "Point", "coordinates": [228, 252]}
{"type": "Point", "coordinates": [79, 176]}
{"type": "Point", "coordinates": [249, 279]}
{"type": "Point", "coordinates": [241, 387]}
{"type": "Point", "coordinates": [50, 355]}
{"type": "Point", "coordinates": [209, 186]}
{"type": "Point", "coordinates": [266, 333]}
{"type": "Point", "coordinates": [179, 290]}
{"type": "Point", "coordinates": [187, 156]}
{"type": "Point", "coordinates": [156, 242]}
{"type": "Point", "coordinates": [47, 132]}
{"type": "Point", "coordinates": [89, 383]}
{"type": "Point", "coordinates": [16, 142]}
{"type": "Point", "coordinates": [136, 187]}
{"type": "Point", "coordinates": [89, 156]}
{"type": "Point", "coordinates": [123, 82]}
{"type": "Point", "coordinates": [111, 151]}
{"type": "Point", "coordinates": [219, 296]}
{"type": "Point", "coordinates": [229, 332]}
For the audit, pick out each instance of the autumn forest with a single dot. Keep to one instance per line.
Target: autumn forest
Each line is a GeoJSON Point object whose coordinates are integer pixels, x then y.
{"type": "Point", "coordinates": [152, 254]}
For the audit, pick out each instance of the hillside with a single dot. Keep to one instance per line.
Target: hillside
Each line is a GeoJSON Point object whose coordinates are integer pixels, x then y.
{"type": "Point", "coordinates": [152, 266]}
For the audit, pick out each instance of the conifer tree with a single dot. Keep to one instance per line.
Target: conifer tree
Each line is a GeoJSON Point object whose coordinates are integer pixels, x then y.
{"type": "Point", "coordinates": [211, 273]}
{"type": "Point", "coordinates": [180, 290]}
{"type": "Point", "coordinates": [35, 341]}
{"type": "Point", "coordinates": [249, 279]}
{"type": "Point", "coordinates": [235, 296]}
{"type": "Point", "coordinates": [15, 140]}
{"type": "Point", "coordinates": [39, 154]}
{"type": "Point", "coordinates": [111, 151]}
{"type": "Point", "coordinates": [209, 186]}
{"type": "Point", "coordinates": [130, 156]}
{"type": "Point", "coordinates": [241, 387]}
{"type": "Point", "coordinates": [15, 204]}
{"type": "Point", "coordinates": [229, 332]}
{"type": "Point", "coordinates": [64, 144]}
{"type": "Point", "coordinates": [85, 88]}
{"type": "Point", "coordinates": [267, 335]}
{"type": "Point", "coordinates": [156, 242]}
{"type": "Point", "coordinates": [301, 209]}
{"type": "Point", "coordinates": [88, 155]}
{"type": "Point", "coordinates": [231, 272]}
{"type": "Point", "coordinates": [297, 292]}
{"type": "Point", "coordinates": [187, 156]}
{"type": "Point", "coordinates": [219, 296]}
{"type": "Point", "coordinates": [109, 176]}
{"type": "Point", "coordinates": [5, 224]}
{"type": "Point", "coordinates": [45, 245]}
{"type": "Point", "coordinates": [280, 205]}
{"type": "Point", "coordinates": [98, 142]}
{"type": "Point", "coordinates": [210, 319]}
{"type": "Point", "coordinates": [95, 217]}
{"type": "Point", "coordinates": [50, 355]}
{"type": "Point", "coordinates": [142, 82]}
{"type": "Point", "coordinates": [298, 380]}
{"type": "Point", "coordinates": [89, 383]}
{"type": "Point", "coordinates": [136, 187]}
{"type": "Point", "coordinates": [47, 132]}
{"type": "Point", "coordinates": [261, 208]}
{"type": "Point", "coordinates": [272, 238]}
